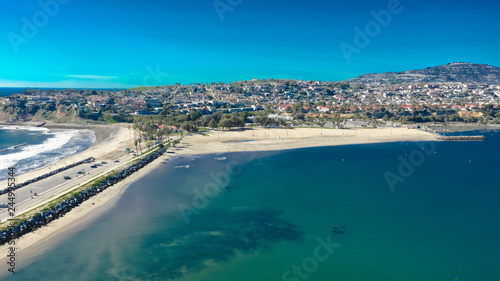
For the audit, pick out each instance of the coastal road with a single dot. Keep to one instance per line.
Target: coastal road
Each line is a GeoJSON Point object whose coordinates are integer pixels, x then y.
{"type": "Point", "coordinates": [53, 185]}
{"type": "Point", "coordinates": [56, 184]}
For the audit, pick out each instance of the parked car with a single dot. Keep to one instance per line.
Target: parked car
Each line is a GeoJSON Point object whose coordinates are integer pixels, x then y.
{"type": "Point", "coordinates": [4, 206]}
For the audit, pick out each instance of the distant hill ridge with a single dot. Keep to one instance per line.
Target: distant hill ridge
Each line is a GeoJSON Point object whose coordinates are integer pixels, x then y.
{"type": "Point", "coordinates": [453, 72]}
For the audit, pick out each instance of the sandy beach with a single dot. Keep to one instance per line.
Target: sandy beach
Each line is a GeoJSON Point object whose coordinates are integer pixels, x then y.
{"type": "Point", "coordinates": [110, 143]}
{"type": "Point", "coordinates": [35, 243]}
{"type": "Point", "coordinates": [281, 139]}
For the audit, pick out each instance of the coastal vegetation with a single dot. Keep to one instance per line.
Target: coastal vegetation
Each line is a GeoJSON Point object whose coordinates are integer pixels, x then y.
{"type": "Point", "coordinates": [458, 92]}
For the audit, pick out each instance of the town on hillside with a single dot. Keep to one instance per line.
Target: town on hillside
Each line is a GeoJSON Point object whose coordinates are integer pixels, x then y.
{"type": "Point", "coordinates": [265, 102]}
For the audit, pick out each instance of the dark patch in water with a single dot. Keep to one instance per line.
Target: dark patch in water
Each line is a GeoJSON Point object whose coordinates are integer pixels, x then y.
{"type": "Point", "coordinates": [212, 235]}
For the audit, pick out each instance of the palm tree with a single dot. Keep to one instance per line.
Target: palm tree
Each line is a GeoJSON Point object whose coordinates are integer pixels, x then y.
{"type": "Point", "coordinates": [167, 131]}
{"type": "Point", "coordinates": [138, 142]}
{"type": "Point", "coordinates": [160, 134]}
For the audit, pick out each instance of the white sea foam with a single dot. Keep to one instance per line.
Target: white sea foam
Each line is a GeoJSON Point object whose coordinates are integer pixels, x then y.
{"type": "Point", "coordinates": [94, 137]}
{"type": "Point", "coordinates": [24, 128]}
{"type": "Point", "coordinates": [52, 144]}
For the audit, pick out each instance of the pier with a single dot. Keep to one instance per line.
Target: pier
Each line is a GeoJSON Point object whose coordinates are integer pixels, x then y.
{"type": "Point", "coordinates": [460, 138]}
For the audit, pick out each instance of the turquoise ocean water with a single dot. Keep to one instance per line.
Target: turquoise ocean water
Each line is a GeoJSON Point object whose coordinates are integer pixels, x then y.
{"type": "Point", "coordinates": [439, 222]}
{"type": "Point", "coordinates": [7, 91]}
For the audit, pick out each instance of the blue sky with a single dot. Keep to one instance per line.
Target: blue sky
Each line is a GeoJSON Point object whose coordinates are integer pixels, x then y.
{"type": "Point", "coordinates": [75, 43]}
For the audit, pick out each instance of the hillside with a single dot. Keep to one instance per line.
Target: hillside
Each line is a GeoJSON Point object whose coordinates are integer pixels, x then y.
{"type": "Point", "coordinates": [469, 73]}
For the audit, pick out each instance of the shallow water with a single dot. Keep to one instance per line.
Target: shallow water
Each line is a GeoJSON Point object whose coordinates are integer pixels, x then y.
{"type": "Point", "coordinates": [438, 222]}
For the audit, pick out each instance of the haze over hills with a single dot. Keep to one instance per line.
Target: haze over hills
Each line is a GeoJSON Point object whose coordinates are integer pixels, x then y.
{"type": "Point", "coordinates": [452, 72]}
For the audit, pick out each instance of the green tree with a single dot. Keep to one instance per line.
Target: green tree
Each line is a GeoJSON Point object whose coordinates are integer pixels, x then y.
{"type": "Point", "coordinates": [194, 115]}
{"type": "Point", "coordinates": [212, 124]}
{"type": "Point", "coordinates": [225, 123]}
{"type": "Point", "coordinates": [187, 126]}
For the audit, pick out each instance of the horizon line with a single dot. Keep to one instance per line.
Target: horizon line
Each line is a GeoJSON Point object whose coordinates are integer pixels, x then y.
{"type": "Point", "coordinates": [5, 84]}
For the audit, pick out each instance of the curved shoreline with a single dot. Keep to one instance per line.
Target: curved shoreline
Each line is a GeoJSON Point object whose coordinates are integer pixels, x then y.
{"type": "Point", "coordinates": [108, 139]}
{"type": "Point", "coordinates": [217, 142]}
{"type": "Point", "coordinates": [101, 131]}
